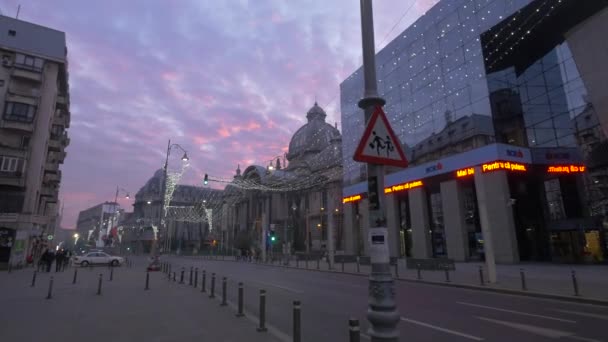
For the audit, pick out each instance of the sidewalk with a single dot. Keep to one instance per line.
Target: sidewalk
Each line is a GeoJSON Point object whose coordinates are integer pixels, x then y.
{"type": "Point", "coordinates": [551, 279]}
{"type": "Point", "coordinates": [123, 312]}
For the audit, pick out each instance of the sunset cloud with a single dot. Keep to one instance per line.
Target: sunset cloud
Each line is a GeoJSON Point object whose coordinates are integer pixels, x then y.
{"type": "Point", "coordinates": [230, 81]}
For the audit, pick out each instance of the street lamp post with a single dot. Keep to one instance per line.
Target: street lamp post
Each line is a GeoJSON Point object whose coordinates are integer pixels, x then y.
{"type": "Point", "coordinates": [162, 214]}
{"type": "Point", "coordinates": [382, 312]}
{"type": "Point", "coordinates": [115, 211]}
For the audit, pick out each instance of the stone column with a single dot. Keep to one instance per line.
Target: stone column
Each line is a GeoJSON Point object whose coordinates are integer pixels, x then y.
{"type": "Point", "coordinates": [452, 203]}
{"type": "Point", "coordinates": [392, 222]}
{"type": "Point", "coordinates": [419, 213]}
{"type": "Point", "coordinates": [349, 229]}
{"type": "Point", "coordinates": [496, 216]}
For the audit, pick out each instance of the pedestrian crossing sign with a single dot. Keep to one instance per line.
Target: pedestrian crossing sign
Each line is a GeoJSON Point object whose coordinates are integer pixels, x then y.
{"type": "Point", "coordinates": [379, 144]}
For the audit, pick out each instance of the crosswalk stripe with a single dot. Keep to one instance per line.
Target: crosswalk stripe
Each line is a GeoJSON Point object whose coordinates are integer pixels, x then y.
{"type": "Point", "coordinates": [448, 331]}
{"type": "Point", "coordinates": [517, 312]}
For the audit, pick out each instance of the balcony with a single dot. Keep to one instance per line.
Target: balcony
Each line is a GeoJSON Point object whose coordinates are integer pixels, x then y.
{"type": "Point", "coordinates": [63, 101]}
{"type": "Point", "coordinates": [12, 151]}
{"type": "Point", "coordinates": [61, 156]}
{"type": "Point", "coordinates": [17, 125]}
{"type": "Point", "coordinates": [65, 140]}
{"type": "Point", "coordinates": [48, 191]}
{"type": "Point", "coordinates": [29, 75]}
{"type": "Point", "coordinates": [52, 178]}
{"type": "Point", "coordinates": [55, 143]}
{"type": "Point", "coordinates": [61, 118]}
{"type": "Point", "coordinates": [16, 179]}
{"type": "Point", "coordinates": [51, 165]}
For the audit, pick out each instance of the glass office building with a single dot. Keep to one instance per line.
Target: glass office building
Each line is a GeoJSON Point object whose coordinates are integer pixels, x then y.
{"type": "Point", "coordinates": [499, 129]}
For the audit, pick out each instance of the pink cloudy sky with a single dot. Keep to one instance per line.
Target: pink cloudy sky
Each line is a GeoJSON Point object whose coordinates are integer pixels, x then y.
{"type": "Point", "coordinates": [230, 81]}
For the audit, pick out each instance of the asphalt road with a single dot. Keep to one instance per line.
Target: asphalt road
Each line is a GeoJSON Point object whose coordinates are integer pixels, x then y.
{"type": "Point", "coordinates": [428, 313]}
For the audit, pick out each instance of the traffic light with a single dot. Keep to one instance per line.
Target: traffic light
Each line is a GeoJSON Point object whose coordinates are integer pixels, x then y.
{"type": "Point", "coordinates": [206, 179]}
{"type": "Point", "coordinates": [273, 237]}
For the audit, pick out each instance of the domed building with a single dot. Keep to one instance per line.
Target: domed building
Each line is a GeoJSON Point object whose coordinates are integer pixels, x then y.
{"type": "Point", "coordinates": [297, 197]}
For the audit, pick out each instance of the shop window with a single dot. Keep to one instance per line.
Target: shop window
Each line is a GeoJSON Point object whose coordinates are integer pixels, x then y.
{"type": "Point", "coordinates": [554, 199]}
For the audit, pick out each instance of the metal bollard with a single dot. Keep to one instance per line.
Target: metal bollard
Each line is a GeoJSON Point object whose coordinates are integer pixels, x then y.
{"type": "Point", "coordinates": [99, 285]}
{"type": "Point", "coordinates": [354, 332]}
{"type": "Point", "coordinates": [212, 294]}
{"type": "Point", "coordinates": [523, 279]}
{"type": "Point", "coordinates": [190, 278]}
{"type": "Point", "coordinates": [342, 264]}
{"type": "Point", "coordinates": [358, 271]}
{"type": "Point", "coordinates": [306, 262]}
{"type": "Point", "coordinates": [318, 263]}
{"type": "Point", "coordinates": [196, 278]}
{"type": "Point", "coordinates": [34, 279]}
{"type": "Point", "coordinates": [240, 304]}
{"type": "Point", "coordinates": [50, 294]}
{"type": "Point", "coordinates": [224, 285]}
{"type": "Point", "coordinates": [174, 277]}
{"type": "Point", "coordinates": [111, 273]}
{"type": "Point", "coordinates": [181, 277]}
{"type": "Point", "coordinates": [204, 281]}
{"type": "Point", "coordinates": [575, 283]}
{"type": "Point", "coordinates": [481, 281]}
{"type": "Point", "coordinates": [297, 328]}
{"type": "Point", "coordinates": [169, 270]}
{"type": "Point", "coordinates": [147, 280]}
{"type": "Point", "coordinates": [262, 326]}
{"type": "Point", "coordinates": [418, 272]}
{"type": "Point", "coordinates": [447, 274]}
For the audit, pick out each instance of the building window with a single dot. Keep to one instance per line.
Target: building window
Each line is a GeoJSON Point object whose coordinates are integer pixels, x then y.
{"type": "Point", "coordinates": [11, 164]}
{"type": "Point", "coordinates": [16, 111]}
{"type": "Point", "coordinates": [29, 62]}
{"type": "Point", "coordinates": [25, 141]}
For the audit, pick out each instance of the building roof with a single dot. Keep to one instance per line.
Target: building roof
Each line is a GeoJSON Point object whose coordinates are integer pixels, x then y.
{"type": "Point", "coordinates": [27, 37]}
{"type": "Point", "coordinates": [314, 136]}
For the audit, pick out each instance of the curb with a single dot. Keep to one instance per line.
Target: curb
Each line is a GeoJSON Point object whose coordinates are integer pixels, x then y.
{"type": "Point", "coordinates": [572, 299]}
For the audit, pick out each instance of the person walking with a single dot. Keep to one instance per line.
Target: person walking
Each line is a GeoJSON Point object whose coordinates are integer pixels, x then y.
{"type": "Point", "coordinates": [43, 260]}
{"type": "Point", "coordinates": [58, 260]}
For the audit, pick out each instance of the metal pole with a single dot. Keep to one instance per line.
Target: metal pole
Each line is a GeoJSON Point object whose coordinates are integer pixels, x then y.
{"type": "Point", "coordinates": [318, 260]}
{"type": "Point", "coordinates": [174, 277]}
{"type": "Point", "coordinates": [190, 278]}
{"type": "Point", "coordinates": [575, 284]}
{"type": "Point", "coordinates": [99, 285]}
{"type": "Point", "coordinates": [50, 294]}
{"type": "Point", "coordinates": [418, 273]}
{"type": "Point", "coordinates": [224, 285]}
{"type": "Point", "coordinates": [358, 270]}
{"type": "Point", "coordinates": [354, 333]}
{"type": "Point", "coordinates": [447, 274]}
{"type": "Point", "coordinates": [306, 261]}
{"type": "Point", "coordinates": [297, 327]}
{"type": "Point", "coordinates": [397, 268]}
{"type": "Point", "coordinates": [240, 312]}
{"type": "Point", "coordinates": [181, 277]}
{"type": "Point", "coordinates": [523, 279]}
{"type": "Point", "coordinates": [34, 279]}
{"type": "Point", "coordinates": [342, 264]}
{"type": "Point", "coordinates": [147, 280]}
{"type": "Point", "coordinates": [196, 277]}
{"type": "Point", "coordinates": [212, 294]}
{"type": "Point", "coordinates": [204, 282]}
{"type": "Point", "coordinates": [481, 281]}
{"type": "Point", "coordinates": [382, 313]}
{"type": "Point", "coordinates": [262, 326]}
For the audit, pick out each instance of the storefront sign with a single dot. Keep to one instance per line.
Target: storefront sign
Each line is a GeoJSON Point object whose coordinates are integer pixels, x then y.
{"type": "Point", "coordinates": [403, 187]}
{"type": "Point", "coordinates": [566, 168]}
{"type": "Point", "coordinates": [500, 165]}
{"type": "Point", "coordinates": [465, 172]}
{"type": "Point", "coordinates": [354, 198]}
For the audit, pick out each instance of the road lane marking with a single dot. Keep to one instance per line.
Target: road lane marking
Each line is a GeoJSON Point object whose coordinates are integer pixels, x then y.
{"type": "Point", "coordinates": [584, 314]}
{"type": "Point", "coordinates": [517, 312]}
{"type": "Point", "coordinates": [545, 332]}
{"type": "Point", "coordinates": [277, 286]}
{"type": "Point", "coordinates": [448, 331]}
{"type": "Point", "coordinates": [583, 339]}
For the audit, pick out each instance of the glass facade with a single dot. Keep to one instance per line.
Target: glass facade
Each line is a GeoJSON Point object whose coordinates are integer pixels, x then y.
{"type": "Point", "coordinates": [431, 75]}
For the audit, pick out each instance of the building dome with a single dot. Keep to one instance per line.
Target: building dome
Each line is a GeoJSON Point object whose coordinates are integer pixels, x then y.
{"type": "Point", "coordinates": [314, 136]}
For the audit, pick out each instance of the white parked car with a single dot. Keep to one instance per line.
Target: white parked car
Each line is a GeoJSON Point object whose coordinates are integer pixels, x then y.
{"type": "Point", "coordinates": [99, 258]}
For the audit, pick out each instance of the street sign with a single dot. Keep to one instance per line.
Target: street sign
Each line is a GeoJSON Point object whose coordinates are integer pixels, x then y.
{"type": "Point", "coordinates": [379, 144]}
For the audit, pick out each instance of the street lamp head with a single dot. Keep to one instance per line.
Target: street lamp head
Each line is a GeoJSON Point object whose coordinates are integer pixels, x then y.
{"type": "Point", "coordinates": [294, 207]}
{"type": "Point", "coordinates": [185, 157]}
{"type": "Point", "coordinates": [270, 167]}
{"type": "Point", "coordinates": [128, 196]}
{"type": "Point", "coordinates": [149, 202]}
{"type": "Point", "coordinates": [76, 235]}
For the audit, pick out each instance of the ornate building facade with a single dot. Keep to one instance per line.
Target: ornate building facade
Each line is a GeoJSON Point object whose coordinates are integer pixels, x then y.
{"type": "Point", "coordinates": [297, 201]}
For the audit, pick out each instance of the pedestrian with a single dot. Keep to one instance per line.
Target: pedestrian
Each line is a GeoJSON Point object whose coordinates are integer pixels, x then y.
{"type": "Point", "coordinates": [43, 260]}
{"type": "Point", "coordinates": [66, 258]}
{"type": "Point", "coordinates": [58, 260]}
{"type": "Point", "coordinates": [49, 261]}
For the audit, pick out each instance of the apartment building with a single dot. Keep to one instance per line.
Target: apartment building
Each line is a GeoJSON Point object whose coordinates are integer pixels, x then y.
{"type": "Point", "coordinates": [34, 94]}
